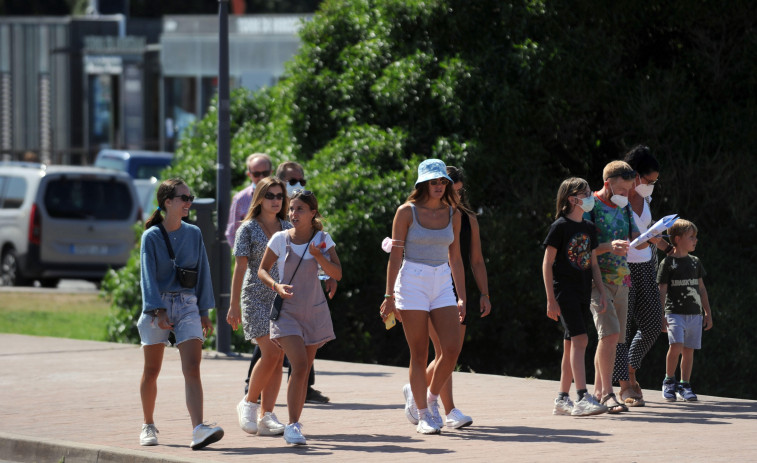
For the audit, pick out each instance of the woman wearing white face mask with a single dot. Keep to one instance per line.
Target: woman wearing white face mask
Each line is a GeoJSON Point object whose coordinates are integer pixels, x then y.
{"type": "Point", "coordinates": [644, 307]}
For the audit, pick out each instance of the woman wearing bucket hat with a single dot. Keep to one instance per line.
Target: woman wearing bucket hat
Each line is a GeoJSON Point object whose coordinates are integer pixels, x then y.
{"type": "Point", "coordinates": [419, 284]}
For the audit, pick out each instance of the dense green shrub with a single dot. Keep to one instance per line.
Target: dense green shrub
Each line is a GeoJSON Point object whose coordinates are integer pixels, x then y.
{"type": "Point", "coordinates": [522, 95]}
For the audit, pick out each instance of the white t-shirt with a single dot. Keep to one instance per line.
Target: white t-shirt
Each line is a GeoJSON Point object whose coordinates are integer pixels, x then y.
{"type": "Point", "coordinates": [278, 245]}
{"type": "Point", "coordinates": [638, 256]}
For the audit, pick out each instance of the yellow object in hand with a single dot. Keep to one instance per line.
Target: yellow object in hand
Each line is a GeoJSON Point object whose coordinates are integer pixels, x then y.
{"type": "Point", "coordinates": [390, 321]}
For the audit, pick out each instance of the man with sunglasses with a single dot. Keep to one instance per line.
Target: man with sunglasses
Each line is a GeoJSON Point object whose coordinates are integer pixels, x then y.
{"type": "Point", "coordinates": [615, 229]}
{"type": "Point", "coordinates": [259, 166]}
{"type": "Point", "coordinates": [293, 175]}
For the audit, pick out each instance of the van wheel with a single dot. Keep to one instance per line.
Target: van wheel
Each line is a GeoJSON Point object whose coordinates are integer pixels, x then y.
{"type": "Point", "coordinates": [9, 273]}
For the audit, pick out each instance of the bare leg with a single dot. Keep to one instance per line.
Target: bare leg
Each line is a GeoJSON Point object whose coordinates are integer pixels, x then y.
{"type": "Point", "coordinates": [605, 360]}
{"type": "Point", "coordinates": [266, 374]}
{"type": "Point", "coordinates": [148, 386]}
{"type": "Point", "coordinates": [671, 360]}
{"type": "Point", "coordinates": [566, 372]}
{"type": "Point", "coordinates": [687, 363]}
{"type": "Point", "coordinates": [446, 393]}
{"type": "Point", "coordinates": [301, 360]}
{"type": "Point", "coordinates": [415, 323]}
{"type": "Point", "coordinates": [447, 326]}
{"type": "Point", "coordinates": [191, 355]}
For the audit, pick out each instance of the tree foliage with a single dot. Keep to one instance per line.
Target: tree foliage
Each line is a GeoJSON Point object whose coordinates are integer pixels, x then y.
{"type": "Point", "coordinates": [521, 95]}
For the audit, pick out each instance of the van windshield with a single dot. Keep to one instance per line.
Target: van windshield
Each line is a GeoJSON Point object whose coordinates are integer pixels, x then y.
{"type": "Point", "coordinates": [88, 199]}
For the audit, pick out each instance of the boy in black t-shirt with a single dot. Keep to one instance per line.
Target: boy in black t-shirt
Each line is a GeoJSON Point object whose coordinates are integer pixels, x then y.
{"type": "Point", "coordinates": [684, 296]}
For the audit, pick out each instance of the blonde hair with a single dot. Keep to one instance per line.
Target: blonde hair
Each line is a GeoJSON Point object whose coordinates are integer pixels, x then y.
{"type": "Point", "coordinates": [257, 198]}
{"type": "Point", "coordinates": [679, 228]}
{"type": "Point", "coordinates": [615, 168]}
{"type": "Point", "coordinates": [569, 187]}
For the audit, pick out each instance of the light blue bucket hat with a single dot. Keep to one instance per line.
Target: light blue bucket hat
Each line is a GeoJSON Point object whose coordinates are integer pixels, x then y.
{"type": "Point", "coordinates": [431, 169]}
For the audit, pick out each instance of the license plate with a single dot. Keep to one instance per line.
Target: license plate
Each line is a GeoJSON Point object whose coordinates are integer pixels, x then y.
{"type": "Point", "coordinates": [89, 249]}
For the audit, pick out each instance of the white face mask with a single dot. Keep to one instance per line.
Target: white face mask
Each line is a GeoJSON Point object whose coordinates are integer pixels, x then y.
{"type": "Point", "coordinates": [291, 189]}
{"type": "Point", "coordinates": [619, 200]}
{"type": "Point", "coordinates": [587, 204]}
{"type": "Point", "coordinates": [644, 190]}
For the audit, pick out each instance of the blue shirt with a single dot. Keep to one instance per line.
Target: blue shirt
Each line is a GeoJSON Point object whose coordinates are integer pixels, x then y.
{"type": "Point", "coordinates": [157, 269]}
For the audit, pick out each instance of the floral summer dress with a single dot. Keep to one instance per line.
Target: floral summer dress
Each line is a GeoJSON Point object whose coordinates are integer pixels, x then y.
{"type": "Point", "coordinates": [257, 298]}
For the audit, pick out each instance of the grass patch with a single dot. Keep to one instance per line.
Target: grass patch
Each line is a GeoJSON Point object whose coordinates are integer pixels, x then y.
{"type": "Point", "coordinates": [74, 316]}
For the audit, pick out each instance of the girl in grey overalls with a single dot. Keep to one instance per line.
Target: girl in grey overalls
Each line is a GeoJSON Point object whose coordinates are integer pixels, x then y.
{"type": "Point", "coordinates": [304, 323]}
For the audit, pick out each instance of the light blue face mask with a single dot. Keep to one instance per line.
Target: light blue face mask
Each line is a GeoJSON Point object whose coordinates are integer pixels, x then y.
{"type": "Point", "coordinates": [587, 204]}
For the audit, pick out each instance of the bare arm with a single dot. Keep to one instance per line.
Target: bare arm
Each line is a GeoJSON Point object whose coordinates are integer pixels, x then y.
{"type": "Point", "coordinates": [705, 305]}
{"type": "Point", "coordinates": [596, 276]}
{"type": "Point", "coordinates": [269, 258]}
{"type": "Point", "coordinates": [553, 308]}
{"type": "Point", "coordinates": [333, 267]}
{"type": "Point", "coordinates": [478, 266]}
{"type": "Point", "coordinates": [663, 294]}
{"type": "Point", "coordinates": [456, 263]}
{"type": "Point", "coordinates": [234, 316]}
{"type": "Point", "coordinates": [400, 225]}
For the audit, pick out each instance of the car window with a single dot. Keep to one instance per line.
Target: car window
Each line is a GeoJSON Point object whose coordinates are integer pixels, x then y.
{"type": "Point", "coordinates": [15, 190]}
{"type": "Point", "coordinates": [110, 163]}
{"type": "Point", "coordinates": [88, 199]}
{"type": "Point", "coordinates": [147, 171]}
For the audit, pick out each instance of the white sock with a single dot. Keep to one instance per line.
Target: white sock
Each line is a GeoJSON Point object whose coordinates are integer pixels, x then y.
{"type": "Point", "coordinates": [422, 412]}
{"type": "Point", "coordinates": [432, 397]}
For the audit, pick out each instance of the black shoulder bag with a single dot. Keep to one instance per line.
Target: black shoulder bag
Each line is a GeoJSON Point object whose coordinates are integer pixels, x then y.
{"type": "Point", "coordinates": [278, 301]}
{"type": "Point", "coordinates": [187, 277]}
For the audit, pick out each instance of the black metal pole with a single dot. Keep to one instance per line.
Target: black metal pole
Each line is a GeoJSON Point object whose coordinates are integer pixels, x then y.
{"type": "Point", "coordinates": [223, 180]}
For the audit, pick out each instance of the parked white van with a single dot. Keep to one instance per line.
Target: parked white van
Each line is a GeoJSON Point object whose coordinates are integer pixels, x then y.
{"type": "Point", "coordinates": [64, 222]}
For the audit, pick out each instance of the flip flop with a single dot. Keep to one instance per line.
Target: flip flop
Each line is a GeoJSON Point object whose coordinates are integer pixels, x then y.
{"type": "Point", "coordinates": [631, 398]}
{"type": "Point", "coordinates": [615, 407]}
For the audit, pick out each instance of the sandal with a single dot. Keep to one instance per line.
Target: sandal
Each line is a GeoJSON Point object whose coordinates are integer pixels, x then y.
{"type": "Point", "coordinates": [631, 398]}
{"type": "Point", "coordinates": [615, 407]}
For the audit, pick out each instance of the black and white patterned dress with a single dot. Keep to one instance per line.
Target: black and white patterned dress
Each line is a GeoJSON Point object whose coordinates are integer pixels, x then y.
{"type": "Point", "coordinates": [257, 298]}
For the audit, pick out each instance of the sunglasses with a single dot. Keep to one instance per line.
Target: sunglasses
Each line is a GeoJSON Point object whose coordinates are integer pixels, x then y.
{"type": "Point", "coordinates": [263, 173]}
{"type": "Point", "coordinates": [278, 196]}
{"type": "Point", "coordinates": [438, 181]}
{"type": "Point", "coordinates": [295, 181]}
{"type": "Point", "coordinates": [650, 182]}
{"type": "Point", "coordinates": [625, 175]}
{"type": "Point", "coordinates": [301, 193]}
{"type": "Point", "coordinates": [185, 198]}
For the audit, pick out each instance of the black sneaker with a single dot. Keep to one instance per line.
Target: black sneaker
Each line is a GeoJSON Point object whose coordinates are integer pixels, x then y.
{"type": "Point", "coordinates": [314, 396]}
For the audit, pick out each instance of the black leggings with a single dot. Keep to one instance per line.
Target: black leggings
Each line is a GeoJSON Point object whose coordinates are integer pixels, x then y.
{"type": "Point", "coordinates": [645, 310]}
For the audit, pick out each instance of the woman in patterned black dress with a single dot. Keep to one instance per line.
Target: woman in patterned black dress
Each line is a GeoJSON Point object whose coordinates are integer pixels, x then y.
{"type": "Point", "coordinates": [251, 304]}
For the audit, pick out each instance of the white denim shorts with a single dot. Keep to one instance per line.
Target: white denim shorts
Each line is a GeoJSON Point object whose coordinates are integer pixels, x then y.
{"type": "Point", "coordinates": [422, 287]}
{"type": "Point", "coordinates": [685, 329]}
{"type": "Point", "coordinates": [182, 312]}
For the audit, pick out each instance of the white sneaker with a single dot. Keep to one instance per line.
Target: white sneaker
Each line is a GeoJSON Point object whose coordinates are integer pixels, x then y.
{"type": "Point", "coordinates": [204, 435]}
{"type": "Point", "coordinates": [426, 425]}
{"type": "Point", "coordinates": [433, 409]}
{"type": "Point", "coordinates": [411, 411]}
{"type": "Point", "coordinates": [149, 435]}
{"type": "Point", "coordinates": [563, 407]}
{"type": "Point", "coordinates": [457, 419]}
{"type": "Point", "coordinates": [293, 434]}
{"type": "Point", "coordinates": [269, 425]}
{"type": "Point", "coordinates": [588, 406]}
{"type": "Point", "coordinates": [248, 416]}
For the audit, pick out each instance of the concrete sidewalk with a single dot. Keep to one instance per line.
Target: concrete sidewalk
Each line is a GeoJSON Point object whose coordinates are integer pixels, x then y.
{"type": "Point", "coordinates": [80, 400]}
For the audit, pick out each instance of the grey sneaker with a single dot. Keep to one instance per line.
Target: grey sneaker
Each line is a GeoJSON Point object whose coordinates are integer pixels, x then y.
{"type": "Point", "coordinates": [247, 412]}
{"type": "Point", "coordinates": [269, 425]}
{"type": "Point", "coordinates": [149, 435]}
{"type": "Point", "coordinates": [563, 406]}
{"type": "Point", "coordinates": [457, 419]}
{"type": "Point", "coordinates": [433, 409]}
{"type": "Point", "coordinates": [426, 425]}
{"type": "Point", "coordinates": [588, 405]}
{"type": "Point", "coordinates": [204, 435]}
{"type": "Point", "coordinates": [411, 411]}
{"type": "Point", "coordinates": [293, 434]}
{"type": "Point", "coordinates": [669, 390]}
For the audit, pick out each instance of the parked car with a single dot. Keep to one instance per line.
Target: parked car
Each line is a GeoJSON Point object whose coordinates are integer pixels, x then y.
{"type": "Point", "coordinates": [64, 222]}
{"type": "Point", "coordinates": [143, 166]}
{"type": "Point", "coordinates": [137, 163]}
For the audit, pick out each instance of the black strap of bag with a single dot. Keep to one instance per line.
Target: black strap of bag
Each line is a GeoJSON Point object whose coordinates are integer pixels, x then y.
{"type": "Point", "coordinates": [168, 242]}
{"type": "Point", "coordinates": [278, 301]}
{"type": "Point", "coordinates": [187, 277]}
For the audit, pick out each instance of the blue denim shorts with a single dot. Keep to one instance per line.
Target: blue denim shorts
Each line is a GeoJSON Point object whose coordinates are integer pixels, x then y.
{"type": "Point", "coordinates": [182, 312]}
{"type": "Point", "coordinates": [685, 329]}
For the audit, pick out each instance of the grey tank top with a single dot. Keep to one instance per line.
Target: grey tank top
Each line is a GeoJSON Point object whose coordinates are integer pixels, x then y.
{"type": "Point", "coordinates": [427, 246]}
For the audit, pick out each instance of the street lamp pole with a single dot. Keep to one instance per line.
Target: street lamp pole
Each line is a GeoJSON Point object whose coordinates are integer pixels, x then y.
{"type": "Point", "coordinates": [223, 180]}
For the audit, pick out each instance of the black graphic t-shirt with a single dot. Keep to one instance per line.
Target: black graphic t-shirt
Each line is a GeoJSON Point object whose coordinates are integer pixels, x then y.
{"type": "Point", "coordinates": [682, 275]}
{"type": "Point", "coordinates": [574, 242]}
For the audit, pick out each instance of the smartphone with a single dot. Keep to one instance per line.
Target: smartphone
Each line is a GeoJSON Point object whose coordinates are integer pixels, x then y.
{"type": "Point", "coordinates": [390, 321]}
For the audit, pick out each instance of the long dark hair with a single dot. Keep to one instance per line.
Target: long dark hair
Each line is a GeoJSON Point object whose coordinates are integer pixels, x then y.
{"type": "Point", "coordinates": [457, 176]}
{"type": "Point", "coordinates": [257, 198]}
{"type": "Point", "coordinates": [166, 190]}
{"type": "Point", "coordinates": [420, 192]}
{"type": "Point", "coordinates": [308, 197]}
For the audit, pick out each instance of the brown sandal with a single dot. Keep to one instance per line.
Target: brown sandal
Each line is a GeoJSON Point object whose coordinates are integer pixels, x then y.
{"type": "Point", "coordinates": [615, 407]}
{"type": "Point", "coordinates": [631, 398]}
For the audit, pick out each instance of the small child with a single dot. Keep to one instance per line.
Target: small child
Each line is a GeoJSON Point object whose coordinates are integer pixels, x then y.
{"type": "Point", "coordinates": [570, 262]}
{"type": "Point", "coordinates": [682, 291]}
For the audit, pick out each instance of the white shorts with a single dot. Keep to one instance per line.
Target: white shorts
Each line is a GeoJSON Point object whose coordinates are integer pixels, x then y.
{"type": "Point", "coordinates": [422, 287]}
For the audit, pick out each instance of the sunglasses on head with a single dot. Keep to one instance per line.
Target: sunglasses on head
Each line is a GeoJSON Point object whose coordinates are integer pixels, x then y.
{"type": "Point", "coordinates": [270, 195]}
{"type": "Point", "coordinates": [295, 181]}
{"type": "Point", "coordinates": [262, 173]}
{"type": "Point", "coordinates": [438, 181]}
{"type": "Point", "coordinates": [625, 175]}
{"type": "Point", "coordinates": [301, 193]}
{"type": "Point", "coordinates": [185, 198]}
